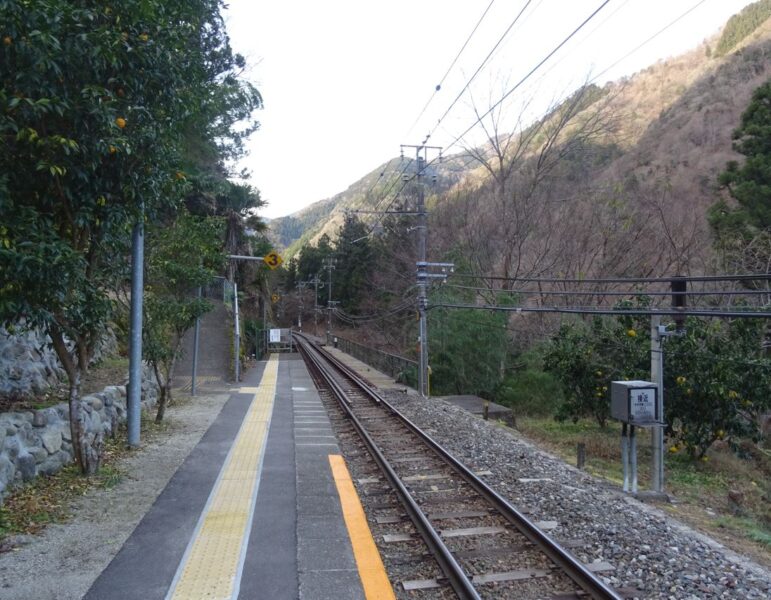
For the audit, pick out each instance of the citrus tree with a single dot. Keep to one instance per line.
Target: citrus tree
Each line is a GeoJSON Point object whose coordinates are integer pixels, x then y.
{"type": "Point", "coordinates": [586, 357]}
{"type": "Point", "coordinates": [716, 381]}
{"type": "Point", "coordinates": [98, 104]}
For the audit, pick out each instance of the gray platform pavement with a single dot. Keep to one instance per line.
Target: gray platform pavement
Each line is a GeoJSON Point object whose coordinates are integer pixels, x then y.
{"type": "Point", "coordinates": [298, 544]}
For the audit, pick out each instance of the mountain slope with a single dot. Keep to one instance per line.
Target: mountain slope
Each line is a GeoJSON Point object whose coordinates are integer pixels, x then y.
{"type": "Point", "coordinates": [670, 136]}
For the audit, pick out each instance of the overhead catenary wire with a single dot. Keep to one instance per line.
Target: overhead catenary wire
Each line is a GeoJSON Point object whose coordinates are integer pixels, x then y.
{"type": "Point", "coordinates": [506, 95]}
{"type": "Point", "coordinates": [609, 292]}
{"type": "Point", "coordinates": [589, 310]}
{"type": "Point", "coordinates": [529, 73]}
{"type": "Point", "coordinates": [686, 278]}
{"type": "Point", "coordinates": [647, 41]}
{"type": "Point", "coordinates": [392, 310]}
{"type": "Point", "coordinates": [479, 68]}
{"type": "Point", "coordinates": [452, 64]}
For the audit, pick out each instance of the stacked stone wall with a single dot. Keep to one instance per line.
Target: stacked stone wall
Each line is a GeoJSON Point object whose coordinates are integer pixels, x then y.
{"type": "Point", "coordinates": [29, 366]}
{"type": "Point", "coordinates": [39, 442]}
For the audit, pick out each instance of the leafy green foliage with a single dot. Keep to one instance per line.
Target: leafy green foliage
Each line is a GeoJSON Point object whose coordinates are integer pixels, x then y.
{"type": "Point", "coordinates": [355, 261]}
{"type": "Point", "coordinates": [750, 183]}
{"type": "Point", "coordinates": [741, 25]}
{"type": "Point", "coordinates": [182, 256]}
{"type": "Point", "coordinates": [587, 357]}
{"type": "Point", "coordinates": [716, 376]}
{"type": "Point", "coordinates": [529, 390]}
{"type": "Point", "coordinates": [468, 348]}
{"type": "Point", "coordinates": [716, 382]}
{"type": "Point", "coordinates": [97, 107]}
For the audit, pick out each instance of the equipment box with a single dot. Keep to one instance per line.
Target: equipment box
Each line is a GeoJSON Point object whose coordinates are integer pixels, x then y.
{"type": "Point", "coordinates": [635, 402]}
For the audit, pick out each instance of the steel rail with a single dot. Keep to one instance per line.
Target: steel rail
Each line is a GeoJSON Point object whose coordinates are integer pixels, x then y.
{"type": "Point", "coordinates": [457, 578]}
{"type": "Point", "coordinates": [573, 568]}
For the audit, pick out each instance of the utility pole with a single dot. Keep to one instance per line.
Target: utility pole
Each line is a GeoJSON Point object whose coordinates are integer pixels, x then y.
{"type": "Point", "coordinates": [421, 152]}
{"type": "Point", "coordinates": [329, 265]}
{"type": "Point", "coordinates": [134, 400]}
{"type": "Point", "coordinates": [659, 333]}
{"type": "Point", "coordinates": [301, 288]}
{"type": "Point", "coordinates": [657, 376]}
{"type": "Point", "coordinates": [315, 281]}
{"type": "Point", "coordinates": [196, 339]}
{"type": "Point", "coordinates": [236, 334]}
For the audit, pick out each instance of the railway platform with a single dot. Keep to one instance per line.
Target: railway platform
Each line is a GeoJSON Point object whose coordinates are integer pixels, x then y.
{"type": "Point", "coordinates": [262, 507]}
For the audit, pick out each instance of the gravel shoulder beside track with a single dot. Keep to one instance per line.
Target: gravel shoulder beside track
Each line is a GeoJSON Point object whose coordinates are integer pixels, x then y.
{"type": "Point", "coordinates": [650, 550]}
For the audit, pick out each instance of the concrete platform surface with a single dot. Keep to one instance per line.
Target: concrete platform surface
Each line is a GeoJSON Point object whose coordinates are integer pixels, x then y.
{"type": "Point", "coordinates": [375, 377]}
{"type": "Point", "coordinates": [275, 435]}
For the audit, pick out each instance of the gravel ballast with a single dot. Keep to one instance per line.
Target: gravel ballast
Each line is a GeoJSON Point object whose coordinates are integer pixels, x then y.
{"type": "Point", "coordinates": [649, 550]}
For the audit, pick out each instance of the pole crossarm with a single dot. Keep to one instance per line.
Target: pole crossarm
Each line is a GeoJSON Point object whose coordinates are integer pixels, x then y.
{"type": "Point", "coordinates": [242, 257]}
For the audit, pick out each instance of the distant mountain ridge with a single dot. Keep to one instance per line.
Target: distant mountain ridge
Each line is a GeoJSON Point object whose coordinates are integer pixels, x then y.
{"type": "Point", "coordinates": [676, 125]}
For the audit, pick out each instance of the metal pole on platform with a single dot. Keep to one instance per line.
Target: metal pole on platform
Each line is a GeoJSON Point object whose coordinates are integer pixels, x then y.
{"type": "Point", "coordinates": [134, 399]}
{"type": "Point", "coordinates": [264, 326]}
{"type": "Point", "coordinates": [237, 335]}
{"type": "Point", "coordinates": [657, 433]}
{"type": "Point", "coordinates": [196, 337]}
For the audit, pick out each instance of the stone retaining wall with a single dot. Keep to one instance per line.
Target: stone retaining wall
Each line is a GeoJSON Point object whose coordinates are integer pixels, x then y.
{"type": "Point", "coordinates": [29, 366]}
{"type": "Point", "coordinates": [35, 442]}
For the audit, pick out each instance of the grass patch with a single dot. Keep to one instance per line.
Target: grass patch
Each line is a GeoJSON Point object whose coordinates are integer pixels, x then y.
{"type": "Point", "coordinates": [748, 527]}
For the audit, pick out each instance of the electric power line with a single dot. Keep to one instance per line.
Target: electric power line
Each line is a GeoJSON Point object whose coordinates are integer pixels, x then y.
{"type": "Point", "coordinates": [688, 278]}
{"type": "Point", "coordinates": [651, 38]}
{"type": "Point", "coordinates": [530, 73]}
{"type": "Point", "coordinates": [479, 68]}
{"type": "Point", "coordinates": [610, 292]}
{"type": "Point", "coordinates": [452, 64]}
{"type": "Point", "coordinates": [588, 310]}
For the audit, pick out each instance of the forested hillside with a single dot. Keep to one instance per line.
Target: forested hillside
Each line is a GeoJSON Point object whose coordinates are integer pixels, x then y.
{"type": "Point", "coordinates": [642, 152]}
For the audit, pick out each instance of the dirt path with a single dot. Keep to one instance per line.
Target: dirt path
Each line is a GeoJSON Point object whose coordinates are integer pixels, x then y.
{"type": "Point", "coordinates": [62, 562]}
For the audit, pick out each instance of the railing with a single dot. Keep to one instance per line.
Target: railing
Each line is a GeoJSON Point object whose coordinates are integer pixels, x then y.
{"type": "Point", "coordinates": [401, 369]}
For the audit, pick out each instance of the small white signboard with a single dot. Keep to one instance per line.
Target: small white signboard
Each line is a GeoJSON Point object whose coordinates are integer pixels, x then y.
{"type": "Point", "coordinates": [275, 336]}
{"type": "Point", "coordinates": [642, 405]}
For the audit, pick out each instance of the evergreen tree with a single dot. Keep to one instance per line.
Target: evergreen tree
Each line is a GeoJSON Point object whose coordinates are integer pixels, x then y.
{"type": "Point", "coordinates": [747, 225]}
{"type": "Point", "coordinates": [355, 260]}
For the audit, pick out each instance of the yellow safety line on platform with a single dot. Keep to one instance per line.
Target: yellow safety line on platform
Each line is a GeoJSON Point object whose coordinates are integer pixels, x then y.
{"type": "Point", "coordinates": [212, 566]}
{"type": "Point", "coordinates": [371, 570]}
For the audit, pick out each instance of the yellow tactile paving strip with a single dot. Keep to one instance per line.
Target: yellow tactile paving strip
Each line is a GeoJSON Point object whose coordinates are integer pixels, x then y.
{"type": "Point", "coordinates": [212, 565]}
{"type": "Point", "coordinates": [371, 570]}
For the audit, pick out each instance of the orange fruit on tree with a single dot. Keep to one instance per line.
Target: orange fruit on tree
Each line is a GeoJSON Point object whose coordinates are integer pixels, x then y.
{"type": "Point", "coordinates": [7, 40]}
{"type": "Point", "coordinates": [120, 122]}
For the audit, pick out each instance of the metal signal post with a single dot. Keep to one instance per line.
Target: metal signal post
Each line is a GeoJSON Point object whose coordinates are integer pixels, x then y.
{"type": "Point", "coordinates": [421, 152]}
{"type": "Point", "coordinates": [329, 264]}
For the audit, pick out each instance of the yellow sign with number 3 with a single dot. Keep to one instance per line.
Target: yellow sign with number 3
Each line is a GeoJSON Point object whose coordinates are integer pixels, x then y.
{"type": "Point", "coordinates": [273, 260]}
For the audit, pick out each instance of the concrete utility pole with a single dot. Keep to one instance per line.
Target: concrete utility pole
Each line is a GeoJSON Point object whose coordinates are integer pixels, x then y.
{"type": "Point", "coordinates": [659, 333]}
{"type": "Point", "coordinates": [237, 334]}
{"type": "Point", "coordinates": [301, 288]}
{"type": "Point", "coordinates": [196, 339]}
{"type": "Point", "coordinates": [134, 399]}
{"type": "Point", "coordinates": [657, 376]}
{"type": "Point", "coordinates": [315, 281]}
{"type": "Point", "coordinates": [421, 152]}
{"type": "Point", "coordinates": [329, 265]}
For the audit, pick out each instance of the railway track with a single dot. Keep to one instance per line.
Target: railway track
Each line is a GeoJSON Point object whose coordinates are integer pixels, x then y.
{"type": "Point", "coordinates": [479, 545]}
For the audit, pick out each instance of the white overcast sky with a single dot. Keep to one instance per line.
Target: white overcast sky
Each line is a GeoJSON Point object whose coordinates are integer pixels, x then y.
{"type": "Point", "coordinates": [344, 80]}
